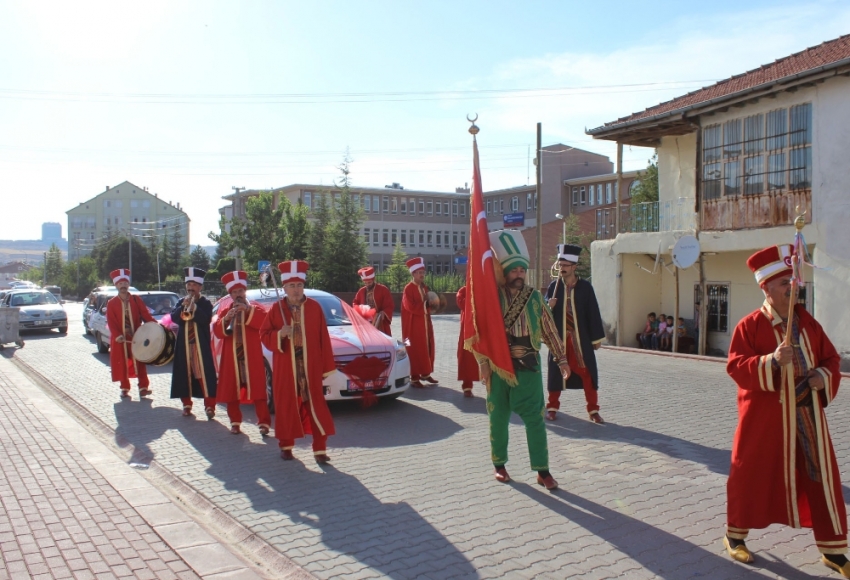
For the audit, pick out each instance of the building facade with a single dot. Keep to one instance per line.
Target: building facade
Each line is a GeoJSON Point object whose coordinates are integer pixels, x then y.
{"type": "Point", "coordinates": [124, 209]}
{"type": "Point", "coordinates": [738, 158]}
{"type": "Point", "coordinates": [51, 232]}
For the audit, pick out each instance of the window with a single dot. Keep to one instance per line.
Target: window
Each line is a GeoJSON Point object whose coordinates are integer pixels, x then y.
{"type": "Point", "coordinates": [394, 205]}
{"type": "Point", "coordinates": [501, 206]}
{"type": "Point", "coordinates": [375, 237]}
{"type": "Point", "coordinates": [134, 203]}
{"type": "Point", "coordinates": [355, 197]}
{"type": "Point", "coordinates": [446, 239]}
{"type": "Point", "coordinates": [106, 203]}
{"type": "Point", "coordinates": [119, 203]}
{"type": "Point", "coordinates": [445, 208]}
{"type": "Point", "coordinates": [711, 162]}
{"type": "Point", "coordinates": [454, 207]}
{"type": "Point", "coordinates": [463, 239]}
{"type": "Point", "coordinates": [146, 204]}
{"type": "Point", "coordinates": [732, 157]}
{"type": "Point", "coordinates": [116, 220]}
{"type": "Point", "coordinates": [394, 239]}
{"type": "Point", "coordinates": [376, 204]}
{"type": "Point", "coordinates": [575, 196]}
{"type": "Point", "coordinates": [582, 195]}
{"type": "Point", "coordinates": [386, 204]}
{"type": "Point", "coordinates": [463, 209]}
{"type": "Point", "coordinates": [430, 208]}
{"type": "Point", "coordinates": [454, 240]}
{"type": "Point", "coordinates": [412, 238]}
{"type": "Point", "coordinates": [144, 220]}
{"type": "Point", "coordinates": [308, 199]}
{"type": "Point", "coordinates": [403, 206]}
{"type": "Point", "coordinates": [599, 194]}
{"type": "Point", "coordinates": [439, 240]}
{"type": "Point", "coordinates": [439, 208]}
{"type": "Point", "coordinates": [591, 195]}
{"type": "Point", "coordinates": [430, 238]}
{"type": "Point", "coordinates": [421, 238]}
{"type": "Point", "coordinates": [412, 206]}
{"type": "Point", "coordinates": [386, 237]}
{"type": "Point", "coordinates": [535, 201]}
{"type": "Point", "coordinates": [515, 203]}
{"type": "Point", "coordinates": [609, 193]}
{"type": "Point", "coordinates": [528, 202]}
{"type": "Point", "coordinates": [421, 207]}
{"type": "Point", "coordinates": [800, 158]}
{"type": "Point", "coordinates": [488, 207]}
{"type": "Point", "coordinates": [367, 235]}
{"type": "Point", "coordinates": [403, 238]}
{"type": "Point", "coordinates": [717, 317]}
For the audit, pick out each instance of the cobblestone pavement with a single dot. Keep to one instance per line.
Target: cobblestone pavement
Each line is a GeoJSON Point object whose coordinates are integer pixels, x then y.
{"type": "Point", "coordinates": [410, 492]}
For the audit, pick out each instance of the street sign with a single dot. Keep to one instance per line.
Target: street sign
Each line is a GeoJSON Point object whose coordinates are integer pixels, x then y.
{"type": "Point", "coordinates": [460, 260]}
{"type": "Point", "coordinates": [262, 265]}
{"type": "Point", "coordinates": [512, 220]}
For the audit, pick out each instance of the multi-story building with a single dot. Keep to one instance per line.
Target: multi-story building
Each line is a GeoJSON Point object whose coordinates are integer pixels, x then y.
{"type": "Point", "coordinates": [51, 232]}
{"type": "Point", "coordinates": [12, 271]}
{"type": "Point", "coordinates": [125, 209]}
{"type": "Point", "coordinates": [435, 225]}
{"type": "Point", "coordinates": [735, 161]}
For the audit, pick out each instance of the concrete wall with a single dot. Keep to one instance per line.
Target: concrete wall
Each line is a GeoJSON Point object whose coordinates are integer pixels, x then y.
{"type": "Point", "coordinates": [677, 167]}
{"type": "Point", "coordinates": [605, 269]}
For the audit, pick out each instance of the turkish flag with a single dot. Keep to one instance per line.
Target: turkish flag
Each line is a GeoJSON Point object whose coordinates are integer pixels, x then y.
{"type": "Point", "coordinates": [484, 333]}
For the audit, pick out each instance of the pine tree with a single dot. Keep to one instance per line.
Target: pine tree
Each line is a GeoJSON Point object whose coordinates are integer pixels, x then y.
{"type": "Point", "coordinates": [575, 236]}
{"type": "Point", "coordinates": [347, 250]}
{"type": "Point", "coordinates": [200, 258]}
{"type": "Point", "coordinates": [297, 231]}
{"type": "Point", "coordinates": [177, 249]}
{"type": "Point", "coordinates": [53, 264]}
{"type": "Point", "coordinates": [398, 274]}
{"type": "Point", "coordinates": [318, 249]}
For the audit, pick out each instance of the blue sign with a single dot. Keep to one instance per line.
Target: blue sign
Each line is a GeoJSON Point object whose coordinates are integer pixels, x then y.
{"type": "Point", "coordinates": [262, 265]}
{"type": "Point", "coordinates": [460, 260]}
{"type": "Point", "coordinates": [512, 220]}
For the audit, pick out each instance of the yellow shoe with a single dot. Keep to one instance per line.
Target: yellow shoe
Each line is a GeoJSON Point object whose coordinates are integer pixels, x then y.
{"type": "Point", "coordinates": [843, 570]}
{"type": "Point", "coordinates": [739, 554]}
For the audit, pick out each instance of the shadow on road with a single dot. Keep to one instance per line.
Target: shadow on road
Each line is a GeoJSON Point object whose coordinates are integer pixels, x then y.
{"type": "Point", "coordinates": [660, 552]}
{"type": "Point", "coordinates": [391, 538]}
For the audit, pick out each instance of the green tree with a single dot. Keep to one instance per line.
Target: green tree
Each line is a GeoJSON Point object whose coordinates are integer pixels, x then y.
{"type": "Point", "coordinates": [178, 252]}
{"type": "Point", "coordinates": [647, 188]}
{"type": "Point", "coordinates": [225, 241]}
{"type": "Point", "coordinates": [297, 230]}
{"type": "Point", "coordinates": [260, 234]}
{"type": "Point", "coordinates": [318, 249]}
{"type": "Point", "coordinates": [200, 258]}
{"type": "Point", "coordinates": [346, 250]}
{"type": "Point", "coordinates": [398, 275]}
{"type": "Point", "coordinates": [53, 265]}
{"type": "Point", "coordinates": [116, 254]}
{"type": "Point", "coordinates": [166, 268]}
{"type": "Point", "coordinates": [575, 236]}
{"type": "Point", "coordinates": [79, 277]}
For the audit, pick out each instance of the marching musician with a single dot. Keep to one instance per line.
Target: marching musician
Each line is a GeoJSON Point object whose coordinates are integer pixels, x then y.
{"type": "Point", "coordinates": [241, 367]}
{"type": "Point", "coordinates": [576, 313]}
{"type": "Point", "coordinates": [124, 314]}
{"type": "Point", "coordinates": [416, 326]}
{"type": "Point", "coordinates": [296, 332]}
{"type": "Point", "coordinates": [194, 369]}
{"type": "Point", "coordinates": [376, 296]}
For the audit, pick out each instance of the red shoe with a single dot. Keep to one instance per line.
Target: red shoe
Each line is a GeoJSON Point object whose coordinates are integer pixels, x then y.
{"type": "Point", "coordinates": [322, 458]}
{"type": "Point", "coordinates": [550, 415]}
{"type": "Point", "coordinates": [145, 392]}
{"type": "Point", "coordinates": [417, 385]}
{"type": "Point", "coordinates": [235, 430]}
{"type": "Point", "coordinates": [286, 454]}
{"type": "Point", "coordinates": [264, 430]}
{"type": "Point", "coordinates": [548, 482]}
{"type": "Point", "coordinates": [501, 475]}
{"type": "Point", "coordinates": [597, 418]}
{"type": "Point", "coordinates": [430, 379]}
{"type": "Point", "coordinates": [468, 393]}
{"type": "Point", "coordinates": [187, 411]}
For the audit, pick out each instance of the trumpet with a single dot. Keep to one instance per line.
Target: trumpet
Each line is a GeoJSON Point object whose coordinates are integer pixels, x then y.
{"type": "Point", "coordinates": [188, 307]}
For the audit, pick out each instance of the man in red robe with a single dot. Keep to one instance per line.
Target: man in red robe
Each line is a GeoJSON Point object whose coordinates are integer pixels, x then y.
{"type": "Point", "coordinates": [467, 366]}
{"type": "Point", "coordinates": [783, 465]}
{"type": "Point", "coordinates": [124, 314]}
{"type": "Point", "coordinates": [376, 296]}
{"type": "Point", "coordinates": [238, 326]}
{"type": "Point", "coordinates": [416, 328]}
{"type": "Point", "coordinates": [296, 332]}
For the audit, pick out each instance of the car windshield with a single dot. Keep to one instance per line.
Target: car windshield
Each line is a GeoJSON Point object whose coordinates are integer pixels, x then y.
{"type": "Point", "coordinates": [160, 303]}
{"type": "Point", "coordinates": [33, 299]}
{"type": "Point", "coordinates": [331, 306]}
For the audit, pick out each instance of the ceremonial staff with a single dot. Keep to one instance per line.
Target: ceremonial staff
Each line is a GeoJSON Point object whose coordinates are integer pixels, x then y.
{"type": "Point", "coordinates": [796, 280]}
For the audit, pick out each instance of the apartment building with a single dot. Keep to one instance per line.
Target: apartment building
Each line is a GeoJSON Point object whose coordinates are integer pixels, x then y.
{"type": "Point", "coordinates": [126, 209]}
{"type": "Point", "coordinates": [736, 159]}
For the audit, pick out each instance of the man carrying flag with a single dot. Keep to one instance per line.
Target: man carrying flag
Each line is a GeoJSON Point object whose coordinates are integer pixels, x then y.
{"type": "Point", "coordinates": [512, 384]}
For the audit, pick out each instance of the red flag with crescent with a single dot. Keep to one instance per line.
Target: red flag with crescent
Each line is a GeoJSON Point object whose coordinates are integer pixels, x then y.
{"type": "Point", "coordinates": [485, 334]}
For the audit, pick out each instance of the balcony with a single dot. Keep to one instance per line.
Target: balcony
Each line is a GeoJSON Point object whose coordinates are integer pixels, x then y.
{"type": "Point", "coordinates": [741, 212]}
{"type": "Point", "coordinates": [654, 216]}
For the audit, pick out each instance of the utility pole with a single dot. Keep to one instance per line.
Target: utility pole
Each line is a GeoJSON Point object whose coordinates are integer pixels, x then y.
{"type": "Point", "coordinates": [539, 206]}
{"type": "Point", "coordinates": [235, 205]}
{"type": "Point", "coordinates": [44, 273]}
{"type": "Point", "coordinates": [130, 238]}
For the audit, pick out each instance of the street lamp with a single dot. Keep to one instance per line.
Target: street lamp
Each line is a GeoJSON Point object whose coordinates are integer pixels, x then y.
{"type": "Point", "coordinates": [563, 227]}
{"type": "Point", "coordinates": [158, 283]}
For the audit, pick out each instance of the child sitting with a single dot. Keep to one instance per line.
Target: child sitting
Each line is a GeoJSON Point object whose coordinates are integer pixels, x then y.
{"type": "Point", "coordinates": [667, 334]}
{"type": "Point", "coordinates": [660, 331]}
{"type": "Point", "coordinates": [649, 331]}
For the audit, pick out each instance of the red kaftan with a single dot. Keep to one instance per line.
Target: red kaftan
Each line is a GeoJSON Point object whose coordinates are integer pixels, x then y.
{"type": "Point", "coordinates": [121, 354]}
{"type": "Point", "coordinates": [229, 379]}
{"type": "Point", "coordinates": [467, 366]}
{"type": "Point", "coordinates": [416, 328]}
{"type": "Point", "coordinates": [383, 303]}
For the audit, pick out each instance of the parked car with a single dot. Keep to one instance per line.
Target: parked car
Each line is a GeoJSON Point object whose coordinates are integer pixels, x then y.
{"type": "Point", "coordinates": [90, 303]}
{"type": "Point", "coordinates": [39, 309]}
{"type": "Point", "coordinates": [159, 304]}
{"type": "Point", "coordinates": [346, 347]}
{"type": "Point", "coordinates": [56, 291]}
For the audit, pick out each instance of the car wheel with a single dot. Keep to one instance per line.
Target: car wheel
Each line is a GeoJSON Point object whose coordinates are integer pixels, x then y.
{"type": "Point", "coordinates": [63, 330]}
{"type": "Point", "coordinates": [101, 348]}
{"type": "Point", "coordinates": [269, 387]}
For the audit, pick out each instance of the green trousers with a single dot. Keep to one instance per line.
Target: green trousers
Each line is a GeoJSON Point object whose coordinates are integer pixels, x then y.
{"type": "Point", "coordinates": [526, 400]}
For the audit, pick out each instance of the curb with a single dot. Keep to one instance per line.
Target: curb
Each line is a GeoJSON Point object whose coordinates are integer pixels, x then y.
{"type": "Point", "coordinates": [263, 557]}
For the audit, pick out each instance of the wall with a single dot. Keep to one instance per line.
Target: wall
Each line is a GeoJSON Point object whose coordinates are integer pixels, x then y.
{"type": "Point", "coordinates": [677, 167]}
{"type": "Point", "coordinates": [605, 267]}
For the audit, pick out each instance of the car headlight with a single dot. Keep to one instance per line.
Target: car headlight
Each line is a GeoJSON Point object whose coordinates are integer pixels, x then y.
{"type": "Point", "coordinates": [400, 351]}
{"type": "Point", "coordinates": [23, 314]}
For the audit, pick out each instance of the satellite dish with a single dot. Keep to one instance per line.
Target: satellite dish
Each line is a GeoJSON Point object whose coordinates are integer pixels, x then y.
{"type": "Point", "coordinates": [685, 252]}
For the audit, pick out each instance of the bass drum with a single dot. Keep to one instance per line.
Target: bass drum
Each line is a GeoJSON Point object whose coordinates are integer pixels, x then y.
{"type": "Point", "coordinates": [153, 344]}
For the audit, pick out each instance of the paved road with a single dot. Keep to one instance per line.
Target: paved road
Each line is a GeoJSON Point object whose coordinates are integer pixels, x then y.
{"type": "Point", "coordinates": [410, 492]}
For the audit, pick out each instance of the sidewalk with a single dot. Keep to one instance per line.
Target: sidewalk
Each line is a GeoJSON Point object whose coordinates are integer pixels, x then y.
{"type": "Point", "coordinates": [70, 508]}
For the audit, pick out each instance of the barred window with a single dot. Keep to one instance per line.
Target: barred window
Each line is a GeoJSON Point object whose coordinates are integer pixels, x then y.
{"type": "Point", "coordinates": [717, 316]}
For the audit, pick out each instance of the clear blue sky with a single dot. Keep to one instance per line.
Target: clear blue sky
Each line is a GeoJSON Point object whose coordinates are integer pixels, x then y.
{"type": "Point", "coordinates": [191, 98]}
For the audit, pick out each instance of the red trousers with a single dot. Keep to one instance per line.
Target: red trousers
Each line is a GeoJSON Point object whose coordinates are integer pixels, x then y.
{"type": "Point", "coordinates": [141, 373]}
{"type": "Point", "coordinates": [309, 426]}
{"type": "Point", "coordinates": [208, 402]}
{"type": "Point", "coordinates": [264, 418]}
{"type": "Point", "coordinates": [590, 394]}
{"type": "Point", "coordinates": [828, 542]}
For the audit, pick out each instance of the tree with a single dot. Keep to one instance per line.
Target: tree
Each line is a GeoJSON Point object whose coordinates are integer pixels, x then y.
{"type": "Point", "coordinates": [79, 277]}
{"type": "Point", "coordinates": [647, 188]}
{"type": "Point", "coordinates": [575, 236]}
{"type": "Point", "coordinates": [166, 268]}
{"type": "Point", "coordinates": [398, 274]}
{"type": "Point", "coordinates": [116, 254]}
{"type": "Point", "coordinates": [53, 265]}
{"type": "Point", "coordinates": [260, 234]}
{"type": "Point", "coordinates": [224, 240]}
{"type": "Point", "coordinates": [345, 248]}
{"type": "Point", "coordinates": [178, 251]}
{"type": "Point", "coordinates": [297, 230]}
{"type": "Point", "coordinates": [317, 248]}
{"type": "Point", "coordinates": [200, 258]}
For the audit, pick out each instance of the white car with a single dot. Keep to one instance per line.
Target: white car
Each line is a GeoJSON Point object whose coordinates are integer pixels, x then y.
{"type": "Point", "coordinates": [346, 347]}
{"type": "Point", "coordinates": [159, 304]}
{"type": "Point", "coordinates": [39, 309]}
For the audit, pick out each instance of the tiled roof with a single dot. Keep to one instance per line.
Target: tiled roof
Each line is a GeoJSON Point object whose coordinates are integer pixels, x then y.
{"type": "Point", "coordinates": [807, 60]}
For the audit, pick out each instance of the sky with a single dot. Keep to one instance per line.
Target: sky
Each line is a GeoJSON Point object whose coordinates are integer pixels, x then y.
{"type": "Point", "coordinates": [192, 98]}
